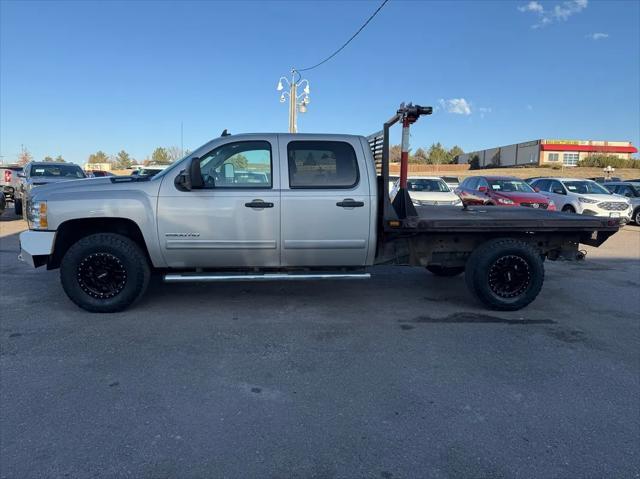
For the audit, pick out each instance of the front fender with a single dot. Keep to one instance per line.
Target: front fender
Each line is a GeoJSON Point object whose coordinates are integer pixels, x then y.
{"type": "Point", "coordinates": [136, 205]}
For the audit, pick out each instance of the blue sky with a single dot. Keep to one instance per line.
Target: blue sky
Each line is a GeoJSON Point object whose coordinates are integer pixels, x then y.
{"type": "Point", "coordinates": [77, 76]}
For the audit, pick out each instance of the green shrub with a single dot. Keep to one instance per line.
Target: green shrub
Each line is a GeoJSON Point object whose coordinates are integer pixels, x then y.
{"type": "Point", "coordinates": [602, 161]}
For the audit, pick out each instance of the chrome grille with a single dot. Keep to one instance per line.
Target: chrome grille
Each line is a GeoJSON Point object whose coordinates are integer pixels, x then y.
{"type": "Point", "coordinates": [542, 206]}
{"type": "Point", "coordinates": [613, 206]}
{"type": "Point", "coordinates": [437, 203]}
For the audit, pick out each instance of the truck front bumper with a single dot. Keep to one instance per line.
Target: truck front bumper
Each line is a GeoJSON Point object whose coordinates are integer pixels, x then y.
{"type": "Point", "coordinates": [36, 247]}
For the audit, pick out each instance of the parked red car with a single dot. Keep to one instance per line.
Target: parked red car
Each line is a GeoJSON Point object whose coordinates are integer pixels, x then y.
{"type": "Point", "coordinates": [501, 191]}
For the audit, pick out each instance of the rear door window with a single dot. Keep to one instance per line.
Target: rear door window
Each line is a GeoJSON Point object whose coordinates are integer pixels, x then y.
{"type": "Point", "coordinates": [542, 185]}
{"type": "Point", "coordinates": [556, 187]}
{"type": "Point", "coordinates": [322, 165]}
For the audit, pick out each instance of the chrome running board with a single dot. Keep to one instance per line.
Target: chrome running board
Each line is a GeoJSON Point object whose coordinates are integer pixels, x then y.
{"type": "Point", "coordinates": [217, 277]}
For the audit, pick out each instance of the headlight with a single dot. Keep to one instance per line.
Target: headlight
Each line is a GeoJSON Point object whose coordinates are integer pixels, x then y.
{"type": "Point", "coordinates": [586, 200]}
{"type": "Point", "coordinates": [37, 215]}
{"type": "Point", "coordinates": [505, 201]}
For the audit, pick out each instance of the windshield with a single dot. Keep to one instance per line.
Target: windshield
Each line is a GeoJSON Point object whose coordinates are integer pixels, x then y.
{"type": "Point", "coordinates": [427, 185]}
{"type": "Point", "coordinates": [510, 186]}
{"type": "Point", "coordinates": [58, 171]}
{"type": "Point", "coordinates": [451, 179]}
{"type": "Point", "coordinates": [586, 187]}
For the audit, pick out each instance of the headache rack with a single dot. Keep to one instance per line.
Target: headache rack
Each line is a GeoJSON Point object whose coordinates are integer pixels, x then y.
{"type": "Point", "coordinates": [402, 207]}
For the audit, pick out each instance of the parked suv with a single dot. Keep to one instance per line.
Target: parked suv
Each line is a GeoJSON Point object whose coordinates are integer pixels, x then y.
{"type": "Point", "coordinates": [574, 195]}
{"type": "Point", "coordinates": [501, 191]}
{"type": "Point", "coordinates": [39, 173]}
{"type": "Point", "coordinates": [631, 191]}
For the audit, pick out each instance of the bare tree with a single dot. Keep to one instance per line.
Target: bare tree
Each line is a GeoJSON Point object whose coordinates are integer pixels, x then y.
{"type": "Point", "coordinates": [394, 153]}
{"type": "Point", "coordinates": [174, 152]}
{"type": "Point", "coordinates": [24, 156]}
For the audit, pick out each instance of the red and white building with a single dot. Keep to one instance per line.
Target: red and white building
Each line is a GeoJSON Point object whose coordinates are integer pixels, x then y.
{"type": "Point", "coordinates": [547, 152]}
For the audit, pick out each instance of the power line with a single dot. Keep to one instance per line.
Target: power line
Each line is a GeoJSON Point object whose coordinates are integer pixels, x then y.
{"type": "Point", "coordinates": [346, 43]}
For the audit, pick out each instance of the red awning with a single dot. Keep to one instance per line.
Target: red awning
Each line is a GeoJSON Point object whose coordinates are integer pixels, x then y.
{"type": "Point", "coordinates": [590, 148]}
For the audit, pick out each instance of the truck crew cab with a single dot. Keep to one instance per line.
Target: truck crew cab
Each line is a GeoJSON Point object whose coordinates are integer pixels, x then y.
{"type": "Point", "coordinates": [257, 207]}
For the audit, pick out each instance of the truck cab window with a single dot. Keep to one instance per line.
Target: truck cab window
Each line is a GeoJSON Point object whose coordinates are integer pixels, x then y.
{"type": "Point", "coordinates": [322, 164]}
{"type": "Point", "coordinates": [243, 164]}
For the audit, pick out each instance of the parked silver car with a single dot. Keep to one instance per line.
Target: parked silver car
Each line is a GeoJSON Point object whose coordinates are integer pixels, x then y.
{"type": "Point", "coordinates": [630, 190]}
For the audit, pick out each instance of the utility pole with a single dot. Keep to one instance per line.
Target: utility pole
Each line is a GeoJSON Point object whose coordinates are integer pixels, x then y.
{"type": "Point", "coordinates": [297, 103]}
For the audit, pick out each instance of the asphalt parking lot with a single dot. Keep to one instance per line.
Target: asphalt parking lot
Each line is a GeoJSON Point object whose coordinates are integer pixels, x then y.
{"type": "Point", "coordinates": [403, 376]}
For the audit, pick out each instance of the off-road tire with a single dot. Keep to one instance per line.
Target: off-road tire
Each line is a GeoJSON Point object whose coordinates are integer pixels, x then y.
{"type": "Point", "coordinates": [485, 273]}
{"type": "Point", "coordinates": [118, 249]}
{"type": "Point", "coordinates": [445, 271]}
{"type": "Point", "coordinates": [17, 207]}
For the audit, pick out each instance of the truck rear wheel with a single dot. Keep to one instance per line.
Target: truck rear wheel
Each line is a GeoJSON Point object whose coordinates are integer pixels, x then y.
{"type": "Point", "coordinates": [505, 274]}
{"type": "Point", "coordinates": [104, 272]}
{"type": "Point", "coordinates": [445, 271]}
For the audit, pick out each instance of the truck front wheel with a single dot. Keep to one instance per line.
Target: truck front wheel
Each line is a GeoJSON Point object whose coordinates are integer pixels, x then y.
{"type": "Point", "coordinates": [104, 272]}
{"type": "Point", "coordinates": [505, 274]}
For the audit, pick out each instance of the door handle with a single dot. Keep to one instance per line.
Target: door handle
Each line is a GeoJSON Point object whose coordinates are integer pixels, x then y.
{"type": "Point", "coordinates": [258, 204]}
{"type": "Point", "coordinates": [349, 203]}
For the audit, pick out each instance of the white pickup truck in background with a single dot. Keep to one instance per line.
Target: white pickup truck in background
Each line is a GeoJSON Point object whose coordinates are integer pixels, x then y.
{"type": "Point", "coordinates": [257, 207]}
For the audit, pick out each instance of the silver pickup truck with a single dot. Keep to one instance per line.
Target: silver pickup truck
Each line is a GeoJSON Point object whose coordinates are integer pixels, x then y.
{"type": "Point", "coordinates": [256, 207]}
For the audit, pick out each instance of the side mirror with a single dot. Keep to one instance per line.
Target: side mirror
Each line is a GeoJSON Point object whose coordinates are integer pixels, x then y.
{"type": "Point", "coordinates": [536, 189]}
{"type": "Point", "coordinates": [191, 177]}
{"type": "Point", "coordinates": [483, 189]}
{"type": "Point", "coordinates": [558, 191]}
{"type": "Point", "coordinates": [21, 174]}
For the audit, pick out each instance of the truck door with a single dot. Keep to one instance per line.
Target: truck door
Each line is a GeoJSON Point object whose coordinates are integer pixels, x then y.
{"type": "Point", "coordinates": [326, 202]}
{"type": "Point", "coordinates": [234, 221]}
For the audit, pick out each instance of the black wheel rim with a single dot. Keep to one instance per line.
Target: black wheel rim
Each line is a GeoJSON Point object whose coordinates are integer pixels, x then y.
{"type": "Point", "coordinates": [509, 276]}
{"type": "Point", "coordinates": [102, 275]}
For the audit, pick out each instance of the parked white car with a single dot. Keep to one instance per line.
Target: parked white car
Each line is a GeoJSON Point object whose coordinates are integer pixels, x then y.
{"type": "Point", "coordinates": [574, 195]}
{"type": "Point", "coordinates": [429, 191]}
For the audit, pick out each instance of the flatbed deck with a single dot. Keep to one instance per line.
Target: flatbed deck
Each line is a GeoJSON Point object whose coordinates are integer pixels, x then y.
{"type": "Point", "coordinates": [450, 219]}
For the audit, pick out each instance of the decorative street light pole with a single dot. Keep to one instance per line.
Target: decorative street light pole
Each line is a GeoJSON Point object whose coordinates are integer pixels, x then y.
{"type": "Point", "coordinates": [297, 103]}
